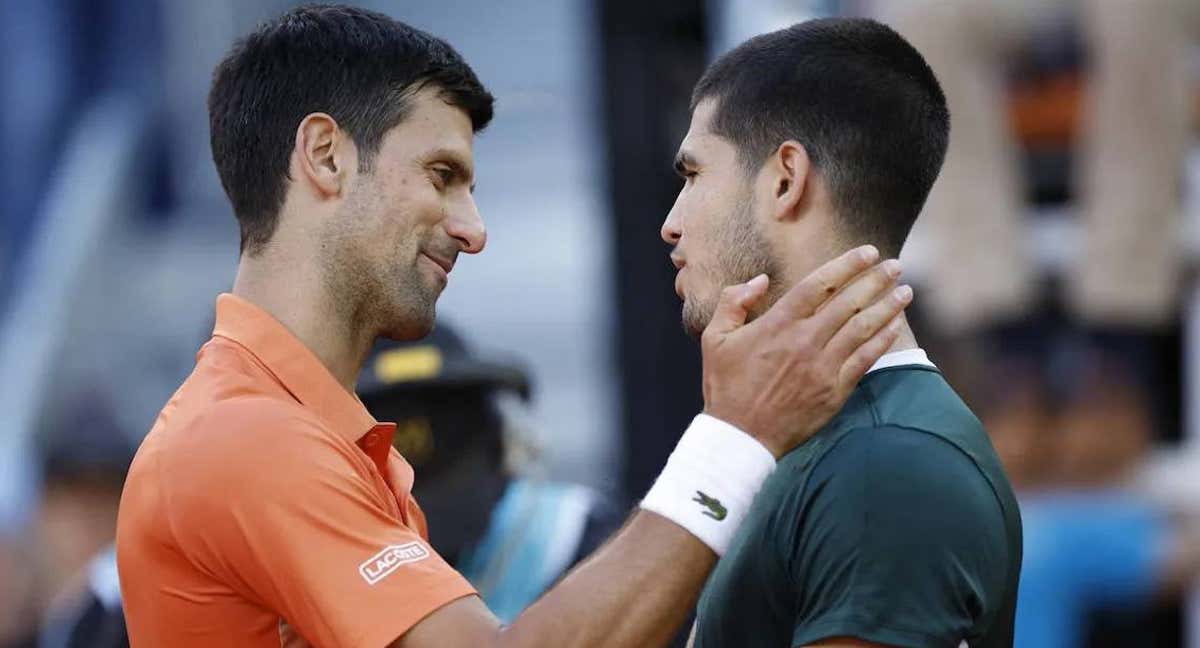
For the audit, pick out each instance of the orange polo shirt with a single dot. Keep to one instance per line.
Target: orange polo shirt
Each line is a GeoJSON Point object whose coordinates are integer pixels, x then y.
{"type": "Point", "coordinates": [268, 508]}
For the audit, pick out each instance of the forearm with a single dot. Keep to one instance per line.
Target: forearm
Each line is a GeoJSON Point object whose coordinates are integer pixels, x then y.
{"type": "Point", "coordinates": [634, 591]}
{"type": "Point", "coordinates": [638, 588]}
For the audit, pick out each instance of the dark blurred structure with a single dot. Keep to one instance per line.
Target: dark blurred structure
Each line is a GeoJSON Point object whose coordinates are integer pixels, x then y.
{"type": "Point", "coordinates": [652, 55]}
{"type": "Point", "coordinates": [490, 511]}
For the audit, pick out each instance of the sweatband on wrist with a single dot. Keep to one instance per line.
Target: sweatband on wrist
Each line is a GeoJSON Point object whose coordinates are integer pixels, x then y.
{"type": "Point", "coordinates": [710, 480]}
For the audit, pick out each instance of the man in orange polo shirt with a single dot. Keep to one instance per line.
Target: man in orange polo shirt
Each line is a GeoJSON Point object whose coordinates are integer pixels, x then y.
{"type": "Point", "coordinates": [266, 506]}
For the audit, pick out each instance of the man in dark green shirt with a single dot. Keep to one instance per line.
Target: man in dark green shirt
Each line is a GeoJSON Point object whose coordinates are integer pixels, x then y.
{"type": "Point", "coordinates": [895, 525]}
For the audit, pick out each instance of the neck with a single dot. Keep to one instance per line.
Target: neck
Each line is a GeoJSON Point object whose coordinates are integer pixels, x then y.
{"type": "Point", "coordinates": [797, 244]}
{"type": "Point", "coordinates": [295, 294]}
{"type": "Point", "coordinates": [906, 340]}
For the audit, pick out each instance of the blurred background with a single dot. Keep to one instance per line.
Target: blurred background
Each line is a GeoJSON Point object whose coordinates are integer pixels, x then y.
{"type": "Point", "coordinates": [1054, 268]}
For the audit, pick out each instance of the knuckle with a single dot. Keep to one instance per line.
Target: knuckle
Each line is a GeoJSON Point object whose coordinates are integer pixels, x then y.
{"type": "Point", "coordinates": [861, 328]}
{"type": "Point", "coordinates": [877, 283]}
{"type": "Point", "coordinates": [807, 349]}
{"type": "Point", "coordinates": [885, 274]}
{"type": "Point", "coordinates": [806, 344]}
{"type": "Point", "coordinates": [825, 281]}
{"type": "Point", "coordinates": [829, 374]}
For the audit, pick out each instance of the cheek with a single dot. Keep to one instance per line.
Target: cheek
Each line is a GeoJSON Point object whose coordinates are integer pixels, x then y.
{"type": "Point", "coordinates": [406, 217]}
{"type": "Point", "coordinates": [703, 242]}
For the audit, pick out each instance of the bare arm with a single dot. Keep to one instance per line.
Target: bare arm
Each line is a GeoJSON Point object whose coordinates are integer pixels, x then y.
{"type": "Point", "coordinates": [780, 378]}
{"type": "Point", "coordinates": [634, 591]}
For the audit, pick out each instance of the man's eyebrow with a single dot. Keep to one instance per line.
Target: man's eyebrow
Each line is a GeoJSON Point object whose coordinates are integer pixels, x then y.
{"type": "Point", "coordinates": [683, 162]}
{"type": "Point", "coordinates": [461, 168]}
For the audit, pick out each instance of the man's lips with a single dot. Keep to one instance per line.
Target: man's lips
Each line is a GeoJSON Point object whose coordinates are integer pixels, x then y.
{"type": "Point", "coordinates": [444, 264]}
{"type": "Point", "coordinates": [679, 264]}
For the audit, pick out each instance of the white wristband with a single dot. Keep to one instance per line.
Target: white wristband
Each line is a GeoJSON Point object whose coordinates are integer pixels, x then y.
{"type": "Point", "coordinates": [710, 480]}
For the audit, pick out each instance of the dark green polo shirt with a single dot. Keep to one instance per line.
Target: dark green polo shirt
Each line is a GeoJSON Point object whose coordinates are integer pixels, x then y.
{"type": "Point", "coordinates": [895, 524]}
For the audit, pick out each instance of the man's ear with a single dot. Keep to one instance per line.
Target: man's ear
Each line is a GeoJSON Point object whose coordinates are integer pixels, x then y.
{"type": "Point", "coordinates": [323, 155]}
{"type": "Point", "coordinates": [787, 170]}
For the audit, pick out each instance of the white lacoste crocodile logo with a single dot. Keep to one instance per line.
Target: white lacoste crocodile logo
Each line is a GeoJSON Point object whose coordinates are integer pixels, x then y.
{"type": "Point", "coordinates": [382, 564]}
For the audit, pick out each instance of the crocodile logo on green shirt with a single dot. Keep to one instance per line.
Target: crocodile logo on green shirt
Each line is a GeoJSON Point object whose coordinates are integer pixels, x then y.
{"type": "Point", "coordinates": [716, 510]}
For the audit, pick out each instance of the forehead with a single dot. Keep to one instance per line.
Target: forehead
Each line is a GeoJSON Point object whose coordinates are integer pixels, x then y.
{"type": "Point", "coordinates": [700, 141]}
{"type": "Point", "coordinates": [430, 125]}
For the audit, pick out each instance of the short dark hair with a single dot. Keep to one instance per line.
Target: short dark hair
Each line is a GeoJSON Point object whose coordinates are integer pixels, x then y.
{"type": "Point", "coordinates": [862, 101]}
{"type": "Point", "coordinates": [359, 66]}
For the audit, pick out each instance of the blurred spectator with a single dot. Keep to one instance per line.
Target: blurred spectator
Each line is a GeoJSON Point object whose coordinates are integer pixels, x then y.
{"type": "Point", "coordinates": [85, 458]}
{"type": "Point", "coordinates": [1138, 97]}
{"type": "Point", "coordinates": [1073, 433]}
{"type": "Point", "coordinates": [511, 533]}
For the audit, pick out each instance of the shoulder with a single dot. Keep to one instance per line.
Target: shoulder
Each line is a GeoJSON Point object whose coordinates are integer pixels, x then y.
{"type": "Point", "coordinates": [883, 484]}
{"type": "Point", "coordinates": [247, 449]}
{"type": "Point", "coordinates": [919, 398]}
{"type": "Point", "coordinates": [890, 464]}
{"type": "Point", "coordinates": [901, 526]}
{"type": "Point", "coordinates": [267, 412]}
{"type": "Point", "coordinates": [250, 465]}
{"type": "Point", "coordinates": [244, 433]}
{"type": "Point", "coordinates": [887, 492]}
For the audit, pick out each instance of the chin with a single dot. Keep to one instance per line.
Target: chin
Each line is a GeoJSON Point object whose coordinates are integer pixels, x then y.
{"type": "Point", "coordinates": [408, 331]}
{"type": "Point", "coordinates": [694, 320]}
{"type": "Point", "coordinates": [410, 323]}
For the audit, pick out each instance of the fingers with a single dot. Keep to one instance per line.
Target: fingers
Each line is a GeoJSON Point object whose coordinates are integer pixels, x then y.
{"type": "Point", "coordinates": [867, 354]}
{"type": "Point", "coordinates": [866, 289]}
{"type": "Point", "coordinates": [735, 304]}
{"type": "Point", "coordinates": [803, 299]}
{"type": "Point", "coordinates": [856, 340]}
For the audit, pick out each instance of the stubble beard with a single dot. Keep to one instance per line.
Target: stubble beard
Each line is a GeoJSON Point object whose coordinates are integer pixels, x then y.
{"type": "Point", "coordinates": [744, 253]}
{"type": "Point", "coordinates": [377, 291]}
{"type": "Point", "coordinates": [410, 310]}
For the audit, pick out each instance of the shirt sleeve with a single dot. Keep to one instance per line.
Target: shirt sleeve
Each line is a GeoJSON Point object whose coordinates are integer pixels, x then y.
{"type": "Point", "coordinates": [293, 522]}
{"type": "Point", "coordinates": [900, 541]}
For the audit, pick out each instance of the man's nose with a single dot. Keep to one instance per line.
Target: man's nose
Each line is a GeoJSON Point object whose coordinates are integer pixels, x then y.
{"type": "Point", "coordinates": [672, 229]}
{"type": "Point", "coordinates": [466, 226]}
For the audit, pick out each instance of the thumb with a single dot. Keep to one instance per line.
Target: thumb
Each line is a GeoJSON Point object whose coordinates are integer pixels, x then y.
{"type": "Point", "coordinates": [735, 303]}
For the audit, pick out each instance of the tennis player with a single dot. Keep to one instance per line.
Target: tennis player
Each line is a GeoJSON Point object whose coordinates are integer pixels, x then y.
{"type": "Point", "coordinates": [895, 525]}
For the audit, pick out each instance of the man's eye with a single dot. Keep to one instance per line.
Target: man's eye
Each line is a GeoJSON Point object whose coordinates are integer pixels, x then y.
{"type": "Point", "coordinates": [446, 176]}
